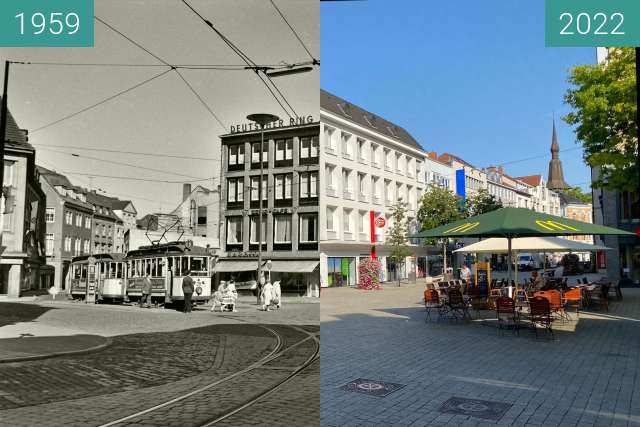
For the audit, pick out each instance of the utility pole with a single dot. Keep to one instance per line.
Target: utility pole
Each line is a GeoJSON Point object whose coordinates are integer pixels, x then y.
{"type": "Point", "coordinates": [3, 137]}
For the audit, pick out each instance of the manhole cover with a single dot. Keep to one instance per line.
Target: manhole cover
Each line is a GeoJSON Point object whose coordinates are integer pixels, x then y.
{"type": "Point", "coordinates": [371, 387]}
{"type": "Point", "coordinates": [485, 409]}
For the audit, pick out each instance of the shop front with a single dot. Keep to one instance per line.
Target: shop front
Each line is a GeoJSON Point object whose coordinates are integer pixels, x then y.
{"type": "Point", "coordinates": [341, 271]}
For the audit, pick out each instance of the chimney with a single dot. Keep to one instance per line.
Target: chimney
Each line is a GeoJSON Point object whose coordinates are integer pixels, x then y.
{"type": "Point", "coordinates": [186, 191]}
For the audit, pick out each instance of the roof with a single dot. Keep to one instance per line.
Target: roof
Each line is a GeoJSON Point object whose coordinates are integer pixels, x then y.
{"type": "Point", "coordinates": [54, 179]}
{"type": "Point", "coordinates": [15, 135]}
{"type": "Point", "coordinates": [366, 119]}
{"type": "Point", "coordinates": [532, 180]}
{"type": "Point", "coordinates": [448, 158]}
{"type": "Point", "coordinates": [566, 199]}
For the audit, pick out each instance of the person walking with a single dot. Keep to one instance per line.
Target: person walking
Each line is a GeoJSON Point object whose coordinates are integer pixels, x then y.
{"type": "Point", "coordinates": [187, 290]}
{"type": "Point", "coordinates": [145, 300]}
{"type": "Point", "coordinates": [465, 274]}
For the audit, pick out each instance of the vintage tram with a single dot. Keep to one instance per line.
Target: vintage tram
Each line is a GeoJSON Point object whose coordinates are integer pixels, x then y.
{"type": "Point", "coordinates": [110, 276]}
{"type": "Point", "coordinates": [167, 264]}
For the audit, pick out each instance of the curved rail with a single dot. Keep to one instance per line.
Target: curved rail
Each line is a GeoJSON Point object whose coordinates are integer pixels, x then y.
{"type": "Point", "coordinates": [254, 365]}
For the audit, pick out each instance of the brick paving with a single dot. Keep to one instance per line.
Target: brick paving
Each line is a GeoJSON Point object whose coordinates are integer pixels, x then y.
{"type": "Point", "coordinates": [589, 376]}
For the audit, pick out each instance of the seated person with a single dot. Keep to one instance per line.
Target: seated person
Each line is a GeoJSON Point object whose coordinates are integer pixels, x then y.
{"type": "Point", "coordinates": [536, 281]}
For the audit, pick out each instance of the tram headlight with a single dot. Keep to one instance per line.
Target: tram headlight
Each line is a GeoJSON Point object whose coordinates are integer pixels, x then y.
{"type": "Point", "coordinates": [198, 290]}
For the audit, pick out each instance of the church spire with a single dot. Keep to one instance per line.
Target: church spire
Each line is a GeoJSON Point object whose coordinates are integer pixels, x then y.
{"type": "Point", "coordinates": [555, 180]}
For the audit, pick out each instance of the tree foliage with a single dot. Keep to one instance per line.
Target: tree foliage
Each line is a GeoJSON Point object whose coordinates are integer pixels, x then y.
{"type": "Point", "coordinates": [438, 206]}
{"type": "Point", "coordinates": [397, 235]}
{"type": "Point", "coordinates": [480, 203]}
{"type": "Point", "coordinates": [578, 194]}
{"type": "Point", "coordinates": [604, 102]}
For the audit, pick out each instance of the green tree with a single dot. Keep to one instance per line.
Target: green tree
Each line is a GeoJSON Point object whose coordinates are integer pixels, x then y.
{"type": "Point", "coordinates": [439, 206]}
{"type": "Point", "coordinates": [578, 194]}
{"type": "Point", "coordinates": [481, 203]}
{"type": "Point", "coordinates": [397, 236]}
{"type": "Point", "coordinates": [604, 103]}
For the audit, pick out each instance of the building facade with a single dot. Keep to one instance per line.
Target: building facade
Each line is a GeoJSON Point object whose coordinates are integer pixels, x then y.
{"type": "Point", "coordinates": [366, 165]}
{"type": "Point", "coordinates": [22, 238]}
{"type": "Point", "coordinates": [69, 219]}
{"type": "Point", "coordinates": [199, 212]}
{"type": "Point", "coordinates": [107, 229]}
{"type": "Point", "coordinates": [290, 201]}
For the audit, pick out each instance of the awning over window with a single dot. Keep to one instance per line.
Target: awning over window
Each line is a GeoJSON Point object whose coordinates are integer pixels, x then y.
{"type": "Point", "coordinates": [294, 266]}
{"type": "Point", "coordinates": [228, 265]}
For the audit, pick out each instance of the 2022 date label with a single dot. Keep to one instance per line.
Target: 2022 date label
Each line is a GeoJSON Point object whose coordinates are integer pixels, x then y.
{"type": "Point", "coordinates": [46, 23]}
{"type": "Point", "coordinates": [592, 23]}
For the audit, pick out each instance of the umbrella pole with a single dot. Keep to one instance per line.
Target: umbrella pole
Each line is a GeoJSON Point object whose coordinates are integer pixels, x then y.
{"type": "Point", "coordinates": [509, 264]}
{"type": "Point", "coordinates": [544, 268]}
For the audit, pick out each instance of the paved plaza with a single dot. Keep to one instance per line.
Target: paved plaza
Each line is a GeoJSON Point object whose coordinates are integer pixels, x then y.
{"type": "Point", "coordinates": [441, 372]}
{"type": "Point", "coordinates": [161, 367]}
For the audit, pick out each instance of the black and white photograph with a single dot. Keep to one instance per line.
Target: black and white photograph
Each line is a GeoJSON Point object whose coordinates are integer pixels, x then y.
{"type": "Point", "coordinates": [159, 259]}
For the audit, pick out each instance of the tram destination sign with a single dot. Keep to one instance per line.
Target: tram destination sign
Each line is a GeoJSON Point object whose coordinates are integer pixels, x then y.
{"type": "Point", "coordinates": [294, 121]}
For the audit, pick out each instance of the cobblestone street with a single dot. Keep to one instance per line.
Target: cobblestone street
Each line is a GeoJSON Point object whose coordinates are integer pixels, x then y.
{"type": "Point", "coordinates": [218, 367]}
{"type": "Point", "coordinates": [588, 376]}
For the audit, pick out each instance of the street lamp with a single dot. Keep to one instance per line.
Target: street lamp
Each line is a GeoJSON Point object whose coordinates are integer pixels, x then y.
{"type": "Point", "coordinates": [262, 120]}
{"type": "Point", "coordinates": [288, 71]}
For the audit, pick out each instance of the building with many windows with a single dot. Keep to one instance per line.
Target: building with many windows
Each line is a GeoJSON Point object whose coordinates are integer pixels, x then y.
{"type": "Point", "coordinates": [290, 200]}
{"type": "Point", "coordinates": [366, 165]}
{"type": "Point", "coordinates": [22, 228]}
{"type": "Point", "coordinates": [107, 228]}
{"type": "Point", "coordinates": [68, 218]}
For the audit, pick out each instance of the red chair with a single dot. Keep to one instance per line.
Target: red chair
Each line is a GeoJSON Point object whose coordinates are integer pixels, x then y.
{"type": "Point", "coordinates": [507, 315]}
{"type": "Point", "coordinates": [540, 314]}
{"type": "Point", "coordinates": [573, 297]}
{"type": "Point", "coordinates": [555, 301]}
{"type": "Point", "coordinates": [431, 302]}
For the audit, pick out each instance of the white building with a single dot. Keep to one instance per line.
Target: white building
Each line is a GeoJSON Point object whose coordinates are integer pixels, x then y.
{"type": "Point", "coordinates": [366, 165]}
{"type": "Point", "coordinates": [542, 199]}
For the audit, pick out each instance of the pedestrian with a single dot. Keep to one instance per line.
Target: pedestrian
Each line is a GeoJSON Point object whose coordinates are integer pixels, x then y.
{"type": "Point", "coordinates": [266, 296]}
{"type": "Point", "coordinates": [146, 291]}
{"type": "Point", "coordinates": [187, 290]}
{"type": "Point", "coordinates": [465, 274]}
{"type": "Point", "coordinates": [259, 285]}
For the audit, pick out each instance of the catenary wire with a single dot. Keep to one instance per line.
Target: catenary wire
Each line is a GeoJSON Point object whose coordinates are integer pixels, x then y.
{"type": "Point", "coordinates": [139, 153]}
{"type": "Point", "coordinates": [295, 33]}
{"type": "Point", "coordinates": [122, 92]}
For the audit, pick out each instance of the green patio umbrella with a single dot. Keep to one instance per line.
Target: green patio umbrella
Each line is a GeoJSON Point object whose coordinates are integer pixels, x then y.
{"type": "Point", "coordinates": [517, 222]}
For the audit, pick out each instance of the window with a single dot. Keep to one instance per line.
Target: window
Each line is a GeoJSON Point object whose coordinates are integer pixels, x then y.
{"type": "Point", "coordinates": [309, 147]}
{"type": "Point", "coordinates": [387, 187]}
{"type": "Point", "coordinates": [86, 246]}
{"type": "Point", "coordinates": [49, 244]}
{"type": "Point", "coordinates": [76, 247]}
{"type": "Point", "coordinates": [78, 220]}
{"type": "Point", "coordinates": [331, 213]}
{"type": "Point", "coordinates": [50, 215]}
{"type": "Point", "coordinates": [346, 144]}
{"type": "Point", "coordinates": [202, 215]}
{"type": "Point", "coordinates": [67, 244]}
{"type": "Point", "coordinates": [328, 137]}
{"type": "Point", "coordinates": [236, 155]}
{"type": "Point", "coordinates": [234, 230]}
{"type": "Point", "coordinates": [376, 186]}
{"type": "Point", "coordinates": [346, 220]}
{"type": "Point", "coordinates": [362, 184]}
{"type": "Point", "coordinates": [255, 152]}
{"type": "Point", "coordinates": [308, 184]}
{"type": "Point", "coordinates": [346, 184]}
{"type": "Point", "coordinates": [68, 218]}
{"type": "Point", "coordinates": [284, 149]}
{"type": "Point", "coordinates": [87, 222]}
{"type": "Point", "coordinates": [363, 222]}
{"type": "Point", "coordinates": [282, 229]}
{"type": "Point", "coordinates": [329, 176]}
{"type": "Point", "coordinates": [235, 190]}
{"type": "Point", "coordinates": [362, 155]}
{"type": "Point", "coordinates": [374, 154]}
{"type": "Point", "coordinates": [387, 159]}
{"type": "Point", "coordinates": [255, 189]}
{"type": "Point", "coordinates": [254, 229]}
{"type": "Point", "coordinates": [308, 228]}
{"type": "Point", "coordinates": [283, 186]}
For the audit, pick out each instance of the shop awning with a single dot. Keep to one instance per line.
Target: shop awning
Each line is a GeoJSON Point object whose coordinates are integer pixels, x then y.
{"type": "Point", "coordinates": [230, 265]}
{"type": "Point", "coordinates": [294, 266]}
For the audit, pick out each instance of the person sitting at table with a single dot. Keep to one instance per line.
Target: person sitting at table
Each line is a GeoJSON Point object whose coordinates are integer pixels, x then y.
{"type": "Point", "coordinates": [536, 281]}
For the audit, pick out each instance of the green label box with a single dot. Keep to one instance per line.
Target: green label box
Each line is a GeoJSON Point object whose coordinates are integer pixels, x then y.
{"type": "Point", "coordinates": [46, 23]}
{"type": "Point", "coordinates": [592, 23]}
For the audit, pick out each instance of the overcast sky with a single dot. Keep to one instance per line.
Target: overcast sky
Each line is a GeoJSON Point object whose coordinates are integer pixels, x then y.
{"type": "Point", "coordinates": [163, 116]}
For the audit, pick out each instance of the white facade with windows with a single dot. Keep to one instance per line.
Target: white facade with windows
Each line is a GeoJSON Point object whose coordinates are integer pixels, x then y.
{"type": "Point", "coordinates": [366, 165]}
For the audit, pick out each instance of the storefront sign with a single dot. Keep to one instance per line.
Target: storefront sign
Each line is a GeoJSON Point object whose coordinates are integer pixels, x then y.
{"type": "Point", "coordinates": [294, 121]}
{"type": "Point", "coordinates": [238, 254]}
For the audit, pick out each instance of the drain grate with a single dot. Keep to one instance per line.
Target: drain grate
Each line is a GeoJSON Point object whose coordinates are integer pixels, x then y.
{"type": "Point", "coordinates": [484, 409]}
{"type": "Point", "coordinates": [371, 387]}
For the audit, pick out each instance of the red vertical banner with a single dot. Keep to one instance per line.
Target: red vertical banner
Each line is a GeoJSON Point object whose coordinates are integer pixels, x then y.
{"type": "Point", "coordinates": [372, 229]}
{"type": "Point", "coordinates": [602, 259]}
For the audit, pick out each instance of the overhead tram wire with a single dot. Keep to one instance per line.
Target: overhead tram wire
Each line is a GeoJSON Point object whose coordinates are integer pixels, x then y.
{"type": "Point", "coordinates": [295, 33]}
{"type": "Point", "coordinates": [139, 153]}
{"type": "Point", "coordinates": [195, 93]}
{"type": "Point", "coordinates": [228, 67]}
{"type": "Point", "coordinates": [131, 178]}
{"type": "Point", "coordinates": [67, 117]}
{"type": "Point", "coordinates": [122, 164]}
{"type": "Point", "coordinates": [250, 63]}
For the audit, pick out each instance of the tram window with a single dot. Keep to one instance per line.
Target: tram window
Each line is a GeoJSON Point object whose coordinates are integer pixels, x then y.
{"type": "Point", "coordinates": [76, 272]}
{"type": "Point", "coordinates": [112, 270]}
{"type": "Point", "coordinates": [84, 271]}
{"type": "Point", "coordinates": [154, 267]}
{"type": "Point", "coordinates": [185, 264]}
{"type": "Point", "coordinates": [198, 265]}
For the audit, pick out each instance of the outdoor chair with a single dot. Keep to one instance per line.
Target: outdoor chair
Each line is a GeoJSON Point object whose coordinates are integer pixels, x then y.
{"type": "Point", "coordinates": [614, 289]}
{"type": "Point", "coordinates": [585, 281]}
{"type": "Point", "coordinates": [600, 296]}
{"type": "Point", "coordinates": [555, 301]}
{"type": "Point", "coordinates": [457, 307]}
{"type": "Point", "coordinates": [540, 314]}
{"type": "Point", "coordinates": [573, 297]}
{"type": "Point", "coordinates": [476, 300]}
{"type": "Point", "coordinates": [432, 302]}
{"type": "Point", "coordinates": [507, 315]}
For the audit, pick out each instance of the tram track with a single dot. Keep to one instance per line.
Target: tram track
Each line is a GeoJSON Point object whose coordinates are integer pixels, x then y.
{"type": "Point", "coordinates": [211, 393]}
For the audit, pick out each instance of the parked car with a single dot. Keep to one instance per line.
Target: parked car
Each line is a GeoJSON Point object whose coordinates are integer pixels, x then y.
{"type": "Point", "coordinates": [526, 262]}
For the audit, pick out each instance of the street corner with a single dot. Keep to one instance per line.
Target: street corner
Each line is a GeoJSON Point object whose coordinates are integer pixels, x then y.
{"type": "Point", "coordinates": [28, 347]}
